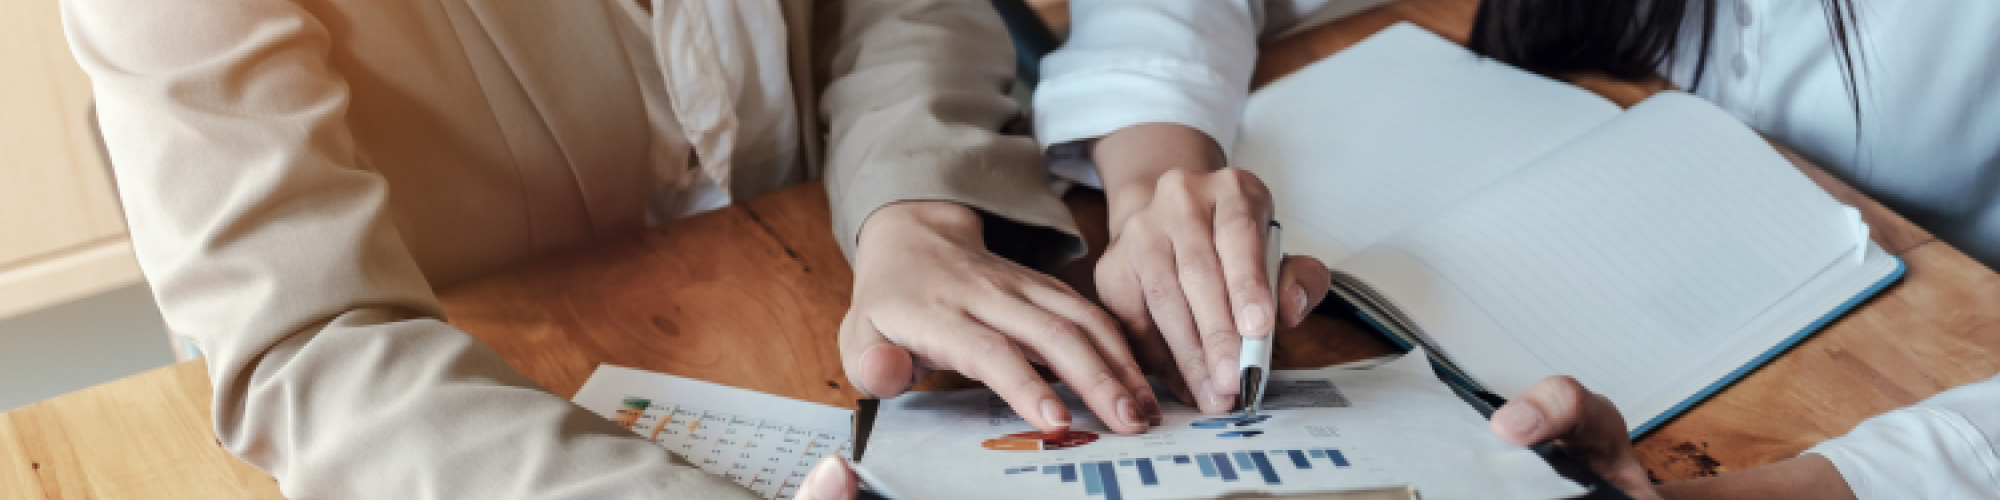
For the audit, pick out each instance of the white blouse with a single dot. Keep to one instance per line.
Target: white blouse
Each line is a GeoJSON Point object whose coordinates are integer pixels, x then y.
{"type": "Point", "coordinates": [1928, 76]}
{"type": "Point", "coordinates": [1929, 147]}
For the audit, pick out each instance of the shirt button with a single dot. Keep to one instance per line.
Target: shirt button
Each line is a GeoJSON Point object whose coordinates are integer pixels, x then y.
{"type": "Point", "coordinates": [1740, 64]}
{"type": "Point", "coordinates": [1743, 14]}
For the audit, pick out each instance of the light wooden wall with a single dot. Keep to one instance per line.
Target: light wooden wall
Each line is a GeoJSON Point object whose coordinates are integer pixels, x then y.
{"type": "Point", "coordinates": [61, 233]}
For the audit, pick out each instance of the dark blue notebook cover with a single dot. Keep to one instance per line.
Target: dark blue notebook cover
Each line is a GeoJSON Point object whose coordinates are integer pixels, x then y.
{"type": "Point", "coordinates": [1901, 268]}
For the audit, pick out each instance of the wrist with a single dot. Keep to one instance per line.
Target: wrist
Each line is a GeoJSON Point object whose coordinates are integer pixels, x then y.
{"type": "Point", "coordinates": [900, 224]}
{"type": "Point", "coordinates": [1132, 160]}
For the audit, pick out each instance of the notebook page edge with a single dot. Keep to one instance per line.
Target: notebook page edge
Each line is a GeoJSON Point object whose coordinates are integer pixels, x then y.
{"type": "Point", "coordinates": [1847, 291]}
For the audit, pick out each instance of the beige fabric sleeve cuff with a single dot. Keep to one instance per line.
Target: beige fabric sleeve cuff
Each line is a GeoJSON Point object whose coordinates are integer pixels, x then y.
{"type": "Point", "coordinates": [917, 99]}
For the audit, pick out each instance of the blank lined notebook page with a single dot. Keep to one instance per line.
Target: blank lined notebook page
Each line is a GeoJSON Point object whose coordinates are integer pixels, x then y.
{"type": "Point", "coordinates": [1359, 145]}
{"type": "Point", "coordinates": [1624, 259]}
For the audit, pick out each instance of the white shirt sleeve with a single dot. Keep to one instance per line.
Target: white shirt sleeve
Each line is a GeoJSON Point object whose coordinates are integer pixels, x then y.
{"type": "Point", "coordinates": [1129, 62]}
{"type": "Point", "coordinates": [1186, 62]}
{"type": "Point", "coordinates": [1943, 447]}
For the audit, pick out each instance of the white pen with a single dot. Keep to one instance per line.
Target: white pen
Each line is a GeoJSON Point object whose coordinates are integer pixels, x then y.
{"type": "Point", "coordinates": [1256, 360]}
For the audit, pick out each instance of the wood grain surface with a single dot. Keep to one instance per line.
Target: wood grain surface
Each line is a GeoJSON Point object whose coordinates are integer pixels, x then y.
{"type": "Point", "coordinates": [752, 296]}
{"type": "Point", "coordinates": [717, 296]}
{"type": "Point", "coordinates": [144, 436]}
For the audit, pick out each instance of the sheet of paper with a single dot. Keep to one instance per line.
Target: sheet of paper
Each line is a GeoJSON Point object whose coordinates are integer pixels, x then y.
{"type": "Point", "coordinates": [1325, 430]}
{"type": "Point", "coordinates": [1360, 145]}
{"type": "Point", "coordinates": [764, 442]}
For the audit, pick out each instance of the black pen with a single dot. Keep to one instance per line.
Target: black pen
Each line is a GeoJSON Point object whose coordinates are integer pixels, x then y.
{"type": "Point", "coordinates": [1255, 362]}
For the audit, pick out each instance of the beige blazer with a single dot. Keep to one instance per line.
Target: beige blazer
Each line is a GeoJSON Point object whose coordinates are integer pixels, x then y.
{"type": "Point", "coordinates": [299, 174]}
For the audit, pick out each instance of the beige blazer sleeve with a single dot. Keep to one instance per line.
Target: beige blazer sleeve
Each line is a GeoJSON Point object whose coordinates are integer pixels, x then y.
{"type": "Point", "coordinates": [265, 237]}
{"type": "Point", "coordinates": [917, 96]}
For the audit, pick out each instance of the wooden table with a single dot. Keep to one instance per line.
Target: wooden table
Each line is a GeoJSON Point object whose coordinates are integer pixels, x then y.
{"type": "Point", "coordinates": [700, 296]}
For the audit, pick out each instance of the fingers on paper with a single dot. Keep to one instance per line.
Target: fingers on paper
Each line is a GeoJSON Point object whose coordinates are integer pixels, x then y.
{"type": "Point", "coordinates": [1119, 289]}
{"type": "Point", "coordinates": [1206, 295]}
{"type": "Point", "coordinates": [1138, 408]}
{"type": "Point", "coordinates": [1071, 347]}
{"type": "Point", "coordinates": [989, 354]}
{"type": "Point", "coordinates": [1168, 308]}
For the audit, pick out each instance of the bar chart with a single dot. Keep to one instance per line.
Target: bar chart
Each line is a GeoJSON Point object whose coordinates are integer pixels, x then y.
{"type": "Point", "coordinates": [1113, 479]}
{"type": "Point", "coordinates": [1339, 429]}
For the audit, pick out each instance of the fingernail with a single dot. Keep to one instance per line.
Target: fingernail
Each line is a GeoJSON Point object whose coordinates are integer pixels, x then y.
{"type": "Point", "coordinates": [1129, 411]}
{"type": "Point", "coordinates": [1054, 413]}
{"type": "Point", "coordinates": [1254, 320]}
{"type": "Point", "coordinates": [1520, 420]}
{"type": "Point", "coordinates": [1299, 302]}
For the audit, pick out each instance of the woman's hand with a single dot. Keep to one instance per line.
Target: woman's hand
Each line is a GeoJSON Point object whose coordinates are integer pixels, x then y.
{"type": "Point", "coordinates": [1583, 423]}
{"type": "Point", "coordinates": [1589, 428]}
{"type": "Point", "coordinates": [1184, 270]}
{"type": "Point", "coordinates": [927, 294]}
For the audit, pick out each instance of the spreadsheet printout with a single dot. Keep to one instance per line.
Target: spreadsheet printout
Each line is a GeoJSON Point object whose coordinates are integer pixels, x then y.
{"type": "Point", "coordinates": [764, 442]}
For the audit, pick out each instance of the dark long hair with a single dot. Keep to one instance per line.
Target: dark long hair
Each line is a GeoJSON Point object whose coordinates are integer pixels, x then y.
{"type": "Point", "coordinates": [1625, 39]}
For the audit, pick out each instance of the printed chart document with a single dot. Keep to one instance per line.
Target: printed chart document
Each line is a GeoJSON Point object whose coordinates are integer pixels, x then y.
{"type": "Point", "coordinates": [764, 442]}
{"type": "Point", "coordinates": [1330, 429]}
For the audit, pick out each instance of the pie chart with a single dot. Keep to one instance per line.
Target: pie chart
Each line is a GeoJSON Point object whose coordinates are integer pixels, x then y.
{"type": "Point", "coordinates": [1039, 441]}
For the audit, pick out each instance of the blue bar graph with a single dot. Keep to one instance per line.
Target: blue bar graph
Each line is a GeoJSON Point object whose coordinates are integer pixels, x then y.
{"type": "Point", "coordinates": [1092, 485]}
{"type": "Point", "coordinates": [1264, 467]}
{"type": "Point", "coordinates": [1100, 478]}
{"type": "Point", "coordinates": [1222, 467]}
{"type": "Point", "coordinates": [1068, 472]}
{"type": "Point", "coordinates": [1299, 459]}
{"type": "Point", "coordinates": [1146, 475]}
{"type": "Point", "coordinates": [1110, 479]}
{"type": "Point", "coordinates": [1330, 455]}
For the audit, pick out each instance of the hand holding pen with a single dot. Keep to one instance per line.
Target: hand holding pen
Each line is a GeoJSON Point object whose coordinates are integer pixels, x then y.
{"type": "Point", "coordinates": [1187, 268]}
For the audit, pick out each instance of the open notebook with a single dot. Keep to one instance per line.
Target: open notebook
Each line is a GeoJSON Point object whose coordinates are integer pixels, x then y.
{"type": "Point", "coordinates": [1519, 227]}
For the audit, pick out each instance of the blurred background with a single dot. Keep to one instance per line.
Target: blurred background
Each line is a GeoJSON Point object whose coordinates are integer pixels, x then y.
{"type": "Point", "coordinates": [74, 311]}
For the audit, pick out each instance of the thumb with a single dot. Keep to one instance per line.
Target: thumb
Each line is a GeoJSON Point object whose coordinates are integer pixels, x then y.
{"type": "Point", "coordinates": [1585, 424]}
{"type": "Point", "coordinates": [1306, 281]}
{"type": "Point", "coordinates": [1555, 408]}
{"type": "Point", "coordinates": [876, 366]}
{"type": "Point", "coordinates": [830, 480]}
